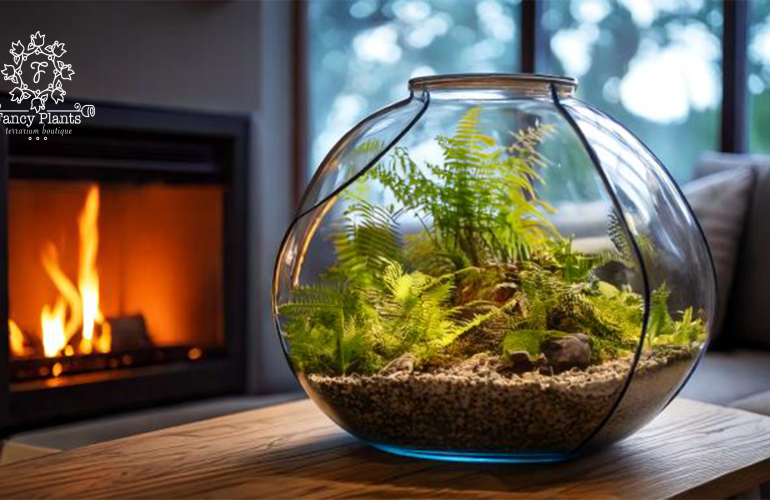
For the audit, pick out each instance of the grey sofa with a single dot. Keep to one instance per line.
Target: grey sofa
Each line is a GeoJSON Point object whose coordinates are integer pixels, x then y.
{"type": "Point", "coordinates": [736, 369]}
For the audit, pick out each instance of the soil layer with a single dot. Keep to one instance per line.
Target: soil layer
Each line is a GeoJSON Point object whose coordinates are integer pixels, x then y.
{"type": "Point", "coordinates": [473, 407]}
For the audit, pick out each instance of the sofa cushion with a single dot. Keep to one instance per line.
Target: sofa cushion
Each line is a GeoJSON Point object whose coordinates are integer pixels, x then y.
{"type": "Point", "coordinates": [726, 377]}
{"type": "Point", "coordinates": [756, 403]}
{"type": "Point", "coordinates": [720, 201]}
{"type": "Point", "coordinates": [747, 318]}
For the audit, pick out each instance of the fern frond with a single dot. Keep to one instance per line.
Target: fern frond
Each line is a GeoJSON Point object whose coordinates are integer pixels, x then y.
{"type": "Point", "coordinates": [481, 200]}
{"type": "Point", "coordinates": [369, 237]}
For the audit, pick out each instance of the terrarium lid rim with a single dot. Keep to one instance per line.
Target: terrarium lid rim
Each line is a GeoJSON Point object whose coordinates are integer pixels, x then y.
{"type": "Point", "coordinates": [485, 80]}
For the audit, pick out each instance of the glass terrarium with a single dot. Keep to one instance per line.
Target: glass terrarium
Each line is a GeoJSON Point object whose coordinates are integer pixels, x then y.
{"type": "Point", "coordinates": [493, 270]}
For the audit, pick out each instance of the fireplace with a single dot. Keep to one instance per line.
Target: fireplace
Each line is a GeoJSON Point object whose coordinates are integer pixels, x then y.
{"type": "Point", "coordinates": [123, 265]}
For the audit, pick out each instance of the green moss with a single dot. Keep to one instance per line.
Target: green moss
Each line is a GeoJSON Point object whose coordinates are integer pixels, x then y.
{"type": "Point", "coordinates": [529, 341]}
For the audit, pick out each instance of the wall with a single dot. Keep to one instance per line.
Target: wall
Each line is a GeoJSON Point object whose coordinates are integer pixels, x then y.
{"type": "Point", "coordinates": [200, 55]}
{"type": "Point", "coordinates": [213, 56]}
{"type": "Point", "coordinates": [272, 191]}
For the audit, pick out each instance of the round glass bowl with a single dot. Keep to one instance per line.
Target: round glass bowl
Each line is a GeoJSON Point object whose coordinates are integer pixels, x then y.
{"type": "Point", "coordinates": [492, 270]}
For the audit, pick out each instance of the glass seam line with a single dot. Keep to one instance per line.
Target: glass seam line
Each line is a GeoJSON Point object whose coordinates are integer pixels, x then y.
{"type": "Point", "coordinates": [344, 186]}
{"type": "Point", "coordinates": [712, 266]}
{"type": "Point", "coordinates": [372, 162]}
{"type": "Point", "coordinates": [702, 234]}
{"type": "Point", "coordinates": [645, 279]}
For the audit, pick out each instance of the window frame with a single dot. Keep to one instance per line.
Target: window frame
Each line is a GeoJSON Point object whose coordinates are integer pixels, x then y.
{"type": "Point", "coordinates": [735, 41]}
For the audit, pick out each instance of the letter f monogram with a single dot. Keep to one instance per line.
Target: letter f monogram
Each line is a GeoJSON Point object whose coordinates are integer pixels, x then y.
{"type": "Point", "coordinates": [36, 66]}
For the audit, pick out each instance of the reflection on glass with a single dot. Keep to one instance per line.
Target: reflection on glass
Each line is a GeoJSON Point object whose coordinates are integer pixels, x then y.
{"type": "Point", "coordinates": [654, 66]}
{"type": "Point", "coordinates": [362, 52]}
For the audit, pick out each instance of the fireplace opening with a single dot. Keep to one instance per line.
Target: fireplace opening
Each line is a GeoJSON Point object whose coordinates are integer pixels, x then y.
{"type": "Point", "coordinates": [106, 277]}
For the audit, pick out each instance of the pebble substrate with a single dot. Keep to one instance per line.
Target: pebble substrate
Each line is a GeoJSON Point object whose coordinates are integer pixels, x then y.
{"type": "Point", "coordinates": [475, 408]}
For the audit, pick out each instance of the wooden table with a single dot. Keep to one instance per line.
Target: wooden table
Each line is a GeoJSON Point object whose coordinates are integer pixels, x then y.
{"type": "Point", "coordinates": [291, 450]}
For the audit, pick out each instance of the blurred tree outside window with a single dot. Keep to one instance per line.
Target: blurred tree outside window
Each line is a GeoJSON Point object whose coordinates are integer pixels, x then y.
{"type": "Point", "coordinates": [654, 65]}
{"type": "Point", "coordinates": [362, 53]}
{"type": "Point", "coordinates": [759, 76]}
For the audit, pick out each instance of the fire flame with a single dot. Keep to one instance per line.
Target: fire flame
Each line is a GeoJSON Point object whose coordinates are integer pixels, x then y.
{"type": "Point", "coordinates": [77, 307]}
{"type": "Point", "coordinates": [88, 276]}
{"type": "Point", "coordinates": [16, 339]}
{"type": "Point", "coordinates": [69, 298]}
{"type": "Point", "coordinates": [54, 338]}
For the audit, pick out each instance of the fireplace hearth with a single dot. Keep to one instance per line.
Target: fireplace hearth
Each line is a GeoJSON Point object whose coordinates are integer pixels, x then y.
{"type": "Point", "coordinates": [123, 265]}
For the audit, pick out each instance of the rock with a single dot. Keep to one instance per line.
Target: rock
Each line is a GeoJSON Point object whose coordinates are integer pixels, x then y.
{"type": "Point", "coordinates": [572, 351]}
{"type": "Point", "coordinates": [402, 364]}
{"type": "Point", "coordinates": [520, 361]}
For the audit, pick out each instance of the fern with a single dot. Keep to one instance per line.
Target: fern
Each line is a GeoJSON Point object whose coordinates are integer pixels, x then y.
{"type": "Point", "coordinates": [422, 252]}
{"type": "Point", "coordinates": [688, 328]}
{"type": "Point", "coordinates": [576, 267]}
{"type": "Point", "coordinates": [415, 311]}
{"type": "Point", "coordinates": [325, 326]}
{"type": "Point", "coordinates": [618, 237]}
{"type": "Point", "coordinates": [625, 253]}
{"type": "Point", "coordinates": [366, 309]}
{"type": "Point", "coordinates": [552, 303]}
{"type": "Point", "coordinates": [481, 200]}
{"type": "Point", "coordinates": [660, 323]}
{"type": "Point", "coordinates": [368, 238]}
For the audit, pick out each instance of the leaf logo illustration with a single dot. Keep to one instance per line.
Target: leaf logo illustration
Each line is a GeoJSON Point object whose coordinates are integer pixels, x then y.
{"type": "Point", "coordinates": [26, 76]}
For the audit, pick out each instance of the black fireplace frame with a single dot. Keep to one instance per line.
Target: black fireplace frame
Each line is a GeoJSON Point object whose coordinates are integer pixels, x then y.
{"type": "Point", "coordinates": [136, 144]}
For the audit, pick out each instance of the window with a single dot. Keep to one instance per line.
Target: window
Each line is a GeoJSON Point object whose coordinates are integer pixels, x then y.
{"type": "Point", "coordinates": [656, 66]}
{"type": "Point", "coordinates": [361, 53]}
{"type": "Point", "coordinates": [759, 76]}
{"type": "Point", "coordinates": [653, 66]}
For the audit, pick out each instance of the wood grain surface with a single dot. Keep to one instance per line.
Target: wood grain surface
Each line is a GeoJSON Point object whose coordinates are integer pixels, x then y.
{"type": "Point", "coordinates": [292, 450]}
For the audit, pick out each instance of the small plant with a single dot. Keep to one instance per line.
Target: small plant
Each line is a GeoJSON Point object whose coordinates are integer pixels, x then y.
{"type": "Point", "coordinates": [662, 329]}
{"type": "Point", "coordinates": [489, 273]}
